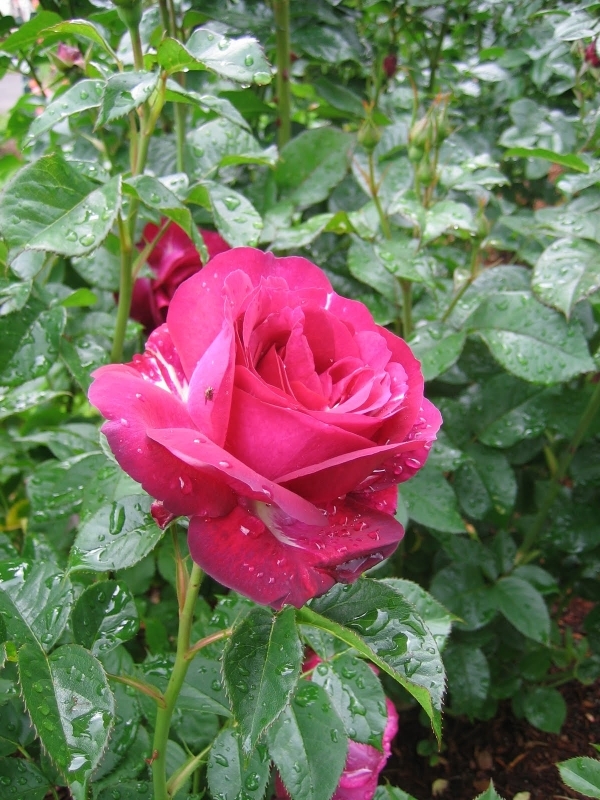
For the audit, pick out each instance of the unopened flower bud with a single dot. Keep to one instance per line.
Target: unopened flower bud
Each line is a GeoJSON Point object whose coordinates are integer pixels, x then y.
{"type": "Point", "coordinates": [415, 153]}
{"type": "Point", "coordinates": [390, 64]}
{"type": "Point", "coordinates": [369, 134]}
{"type": "Point", "coordinates": [591, 54]}
{"type": "Point", "coordinates": [420, 132]}
{"type": "Point", "coordinates": [130, 11]}
{"type": "Point", "coordinates": [425, 173]}
{"type": "Point", "coordinates": [69, 56]}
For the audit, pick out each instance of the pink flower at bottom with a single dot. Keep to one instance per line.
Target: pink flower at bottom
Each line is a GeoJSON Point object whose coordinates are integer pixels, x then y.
{"type": "Point", "coordinates": [363, 764]}
{"type": "Point", "coordinates": [173, 260]}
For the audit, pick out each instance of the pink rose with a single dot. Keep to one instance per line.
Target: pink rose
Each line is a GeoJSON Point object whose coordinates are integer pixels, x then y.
{"type": "Point", "coordinates": [70, 56]}
{"type": "Point", "coordinates": [279, 417]}
{"type": "Point", "coordinates": [363, 763]}
{"type": "Point", "coordinates": [174, 259]}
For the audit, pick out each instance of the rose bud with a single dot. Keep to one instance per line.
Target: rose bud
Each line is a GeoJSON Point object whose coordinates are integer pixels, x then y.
{"type": "Point", "coordinates": [279, 417]}
{"type": "Point", "coordinates": [591, 54]}
{"type": "Point", "coordinates": [173, 260]}
{"type": "Point", "coordinates": [359, 778]}
{"type": "Point", "coordinates": [69, 56]}
{"type": "Point", "coordinates": [390, 65]}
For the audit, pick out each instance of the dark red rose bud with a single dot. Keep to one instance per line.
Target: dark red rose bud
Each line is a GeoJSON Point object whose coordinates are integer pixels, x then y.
{"type": "Point", "coordinates": [70, 56]}
{"type": "Point", "coordinates": [591, 55]}
{"type": "Point", "coordinates": [390, 64]}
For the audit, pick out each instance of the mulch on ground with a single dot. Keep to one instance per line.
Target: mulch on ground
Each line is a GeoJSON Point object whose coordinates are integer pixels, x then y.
{"type": "Point", "coordinates": [516, 756]}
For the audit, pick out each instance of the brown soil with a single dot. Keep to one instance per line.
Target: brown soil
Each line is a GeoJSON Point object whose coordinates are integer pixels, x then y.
{"type": "Point", "coordinates": [509, 751]}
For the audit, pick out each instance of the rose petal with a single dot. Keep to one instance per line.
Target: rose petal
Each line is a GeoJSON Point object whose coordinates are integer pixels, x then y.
{"type": "Point", "coordinates": [275, 441]}
{"type": "Point", "coordinates": [132, 405]}
{"type": "Point", "coordinates": [275, 559]}
{"type": "Point", "coordinates": [211, 387]}
{"type": "Point", "coordinates": [197, 451]}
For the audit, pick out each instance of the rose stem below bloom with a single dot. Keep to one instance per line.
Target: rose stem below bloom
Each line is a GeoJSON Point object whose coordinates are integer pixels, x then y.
{"type": "Point", "coordinates": [180, 668]}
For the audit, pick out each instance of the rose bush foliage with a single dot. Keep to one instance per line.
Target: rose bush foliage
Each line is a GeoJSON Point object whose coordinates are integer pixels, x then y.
{"type": "Point", "coordinates": [279, 417]}
{"type": "Point", "coordinates": [173, 259]}
{"type": "Point", "coordinates": [364, 763]}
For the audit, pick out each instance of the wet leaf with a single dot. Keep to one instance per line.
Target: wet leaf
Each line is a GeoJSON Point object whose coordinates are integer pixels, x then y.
{"type": "Point", "coordinates": [438, 619]}
{"type": "Point", "coordinates": [431, 501]}
{"type": "Point", "coordinates": [308, 744]}
{"type": "Point", "coordinates": [524, 607]}
{"type": "Point", "coordinates": [104, 616]}
{"type": "Point", "coordinates": [49, 206]}
{"type": "Point", "coordinates": [530, 340]}
{"type": "Point", "coordinates": [581, 774]}
{"type": "Point", "coordinates": [22, 779]}
{"type": "Point", "coordinates": [71, 707]}
{"type": "Point", "coordinates": [83, 96]}
{"type": "Point", "coordinates": [221, 143]}
{"type": "Point", "coordinates": [390, 633]}
{"type": "Point", "coordinates": [240, 60]}
{"type": "Point", "coordinates": [125, 92]}
{"type": "Point", "coordinates": [236, 219]}
{"type": "Point", "coordinates": [568, 271]}
{"type": "Point", "coordinates": [116, 536]}
{"type": "Point", "coordinates": [437, 347]}
{"type": "Point", "coordinates": [468, 677]}
{"type": "Point", "coordinates": [485, 482]}
{"type": "Point", "coordinates": [261, 664]}
{"type": "Point", "coordinates": [232, 774]}
{"type": "Point", "coordinates": [35, 602]}
{"type": "Point", "coordinates": [545, 709]}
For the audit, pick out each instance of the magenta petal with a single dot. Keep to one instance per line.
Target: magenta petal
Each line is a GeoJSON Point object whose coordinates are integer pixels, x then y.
{"type": "Point", "coordinates": [211, 387]}
{"type": "Point", "coordinates": [275, 441]}
{"type": "Point", "coordinates": [132, 405]}
{"type": "Point", "coordinates": [275, 559]}
{"type": "Point", "coordinates": [197, 451]}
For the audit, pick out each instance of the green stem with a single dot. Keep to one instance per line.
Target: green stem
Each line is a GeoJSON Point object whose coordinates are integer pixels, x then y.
{"type": "Point", "coordinates": [407, 325]}
{"type": "Point", "coordinates": [136, 44]}
{"type": "Point", "coordinates": [385, 224]}
{"type": "Point", "coordinates": [584, 423]}
{"type": "Point", "coordinates": [435, 59]}
{"type": "Point", "coordinates": [281, 9]}
{"type": "Point", "coordinates": [474, 266]}
{"type": "Point", "coordinates": [180, 668]}
{"type": "Point", "coordinates": [125, 292]}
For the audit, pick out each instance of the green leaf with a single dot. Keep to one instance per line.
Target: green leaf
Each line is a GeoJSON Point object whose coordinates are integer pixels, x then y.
{"type": "Point", "coordinates": [83, 28]}
{"type": "Point", "coordinates": [125, 731]}
{"type": "Point", "coordinates": [80, 298]}
{"type": "Point", "coordinates": [125, 92]}
{"type": "Point", "coordinates": [462, 589]}
{"type": "Point", "coordinates": [581, 774]}
{"type": "Point", "coordinates": [511, 410]}
{"type": "Point", "coordinates": [567, 272]}
{"type": "Point", "coordinates": [261, 664]}
{"type": "Point", "coordinates": [129, 790]}
{"type": "Point", "coordinates": [484, 482]}
{"type": "Point", "coordinates": [56, 490]}
{"type": "Point", "coordinates": [13, 296]}
{"type": "Point", "coordinates": [431, 501]}
{"type": "Point", "coordinates": [447, 215]}
{"type": "Point", "coordinates": [231, 773]}
{"type": "Point", "coordinates": [524, 607]}
{"type": "Point", "coordinates": [155, 194]}
{"type": "Point", "coordinates": [240, 60]}
{"type": "Point", "coordinates": [116, 536]}
{"type": "Point", "coordinates": [236, 219]}
{"type": "Point", "coordinates": [400, 258]}
{"type": "Point", "coordinates": [208, 103]}
{"type": "Point", "coordinates": [468, 678]}
{"type": "Point", "coordinates": [565, 160]}
{"type": "Point", "coordinates": [204, 684]}
{"type": "Point", "coordinates": [489, 794]}
{"type": "Point", "coordinates": [22, 780]}
{"type": "Point", "coordinates": [71, 707]}
{"type": "Point", "coordinates": [104, 616]}
{"type": "Point", "coordinates": [81, 97]}
{"type": "Point", "coordinates": [308, 745]}
{"type": "Point", "coordinates": [312, 164]}
{"type": "Point", "coordinates": [390, 633]}
{"type": "Point", "coordinates": [437, 347]}
{"type": "Point", "coordinates": [28, 34]}
{"type": "Point", "coordinates": [103, 267]}
{"type": "Point", "coordinates": [30, 341]}
{"type": "Point", "coordinates": [530, 340]}
{"type": "Point", "coordinates": [35, 602]}
{"type": "Point", "coordinates": [291, 238]}
{"type": "Point", "coordinates": [357, 696]}
{"type": "Point", "coordinates": [49, 206]}
{"type": "Point", "coordinates": [545, 709]}
{"type": "Point", "coordinates": [388, 792]}
{"type": "Point", "coordinates": [434, 615]}
{"type": "Point", "coordinates": [22, 398]}
{"type": "Point", "coordinates": [366, 265]}
{"type": "Point", "coordinates": [221, 143]}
